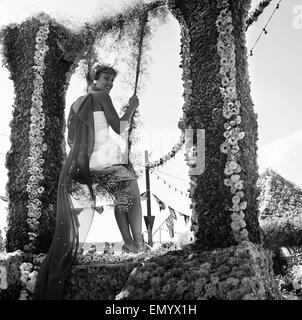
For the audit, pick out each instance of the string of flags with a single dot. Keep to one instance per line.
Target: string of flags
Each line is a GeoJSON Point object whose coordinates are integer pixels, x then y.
{"type": "Point", "coordinates": [170, 185]}
{"type": "Point", "coordinates": [264, 29]}
{"type": "Point", "coordinates": [3, 198]}
{"type": "Point", "coordinates": [173, 213]}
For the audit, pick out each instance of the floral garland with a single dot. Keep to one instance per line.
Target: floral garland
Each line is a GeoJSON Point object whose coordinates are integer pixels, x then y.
{"type": "Point", "coordinates": [37, 147]}
{"type": "Point", "coordinates": [168, 156]}
{"type": "Point", "coordinates": [29, 275]}
{"type": "Point", "coordinates": [28, 279]}
{"type": "Point", "coordinates": [253, 17]}
{"type": "Point", "coordinates": [231, 112]}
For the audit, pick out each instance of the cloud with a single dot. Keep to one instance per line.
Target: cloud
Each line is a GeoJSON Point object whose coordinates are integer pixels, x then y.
{"type": "Point", "coordinates": [284, 155]}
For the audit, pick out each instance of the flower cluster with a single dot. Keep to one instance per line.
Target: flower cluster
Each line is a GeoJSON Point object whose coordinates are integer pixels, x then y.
{"type": "Point", "coordinates": [168, 156]}
{"type": "Point", "coordinates": [253, 17]}
{"type": "Point", "coordinates": [37, 123]}
{"type": "Point", "coordinates": [231, 112]}
{"type": "Point", "coordinates": [193, 159]}
{"type": "Point", "coordinates": [3, 277]}
{"type": "Point", "coordinates": [28, 278]}
{"type": "Point", "coordinates": [296, 273]}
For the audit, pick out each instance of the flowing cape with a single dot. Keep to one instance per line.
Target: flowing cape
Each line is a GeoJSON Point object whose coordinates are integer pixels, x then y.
{"type": "Point", "coordinates": [72, 224]}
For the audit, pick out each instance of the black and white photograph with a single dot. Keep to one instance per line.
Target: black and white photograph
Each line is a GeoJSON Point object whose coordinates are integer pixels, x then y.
{"type": "Point", "coordinates": [151, 150]}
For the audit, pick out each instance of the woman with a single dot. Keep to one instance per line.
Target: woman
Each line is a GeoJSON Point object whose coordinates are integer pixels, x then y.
{"type": "Point", "coordinates": [95, 162]}
{"type": "Point", "coordinates": [107, 153]}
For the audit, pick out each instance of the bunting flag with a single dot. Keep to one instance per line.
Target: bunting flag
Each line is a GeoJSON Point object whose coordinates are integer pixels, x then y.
{"type": "Point", "coordinates": [3, 198]}
{"type": "Point", "coordinates": [100, 209]}
{"type": "Point", "coordinates": [186, 218]}
{"type": "Point", "coordinates": [162, 206]}
{"type": "Point", "coordinates": [144, 196]}
{"type": "Point", "coordinates": [173, 213]}
{"type": "Point", "coordinates": [170, 225]}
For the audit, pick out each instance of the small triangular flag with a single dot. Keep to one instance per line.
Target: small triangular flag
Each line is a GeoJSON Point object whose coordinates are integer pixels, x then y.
{"type": "Point", "coordinates": [162, 205]}
{"type": "Point", "coordinates": [173, 213]}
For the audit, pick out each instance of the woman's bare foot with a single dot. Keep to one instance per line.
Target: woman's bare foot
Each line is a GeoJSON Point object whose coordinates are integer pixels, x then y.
{"type": "Point", "coordinates": [141, 245]}
{"type": "Point", "coordinates": [129, 247]}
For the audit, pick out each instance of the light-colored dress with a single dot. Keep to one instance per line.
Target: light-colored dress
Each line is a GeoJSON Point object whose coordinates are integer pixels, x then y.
{"type": "Point", "coordinates": [106, 151]}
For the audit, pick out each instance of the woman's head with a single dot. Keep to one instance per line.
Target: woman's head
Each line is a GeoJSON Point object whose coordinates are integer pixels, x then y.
{"type": "Point", "coordinates": [103, 77]}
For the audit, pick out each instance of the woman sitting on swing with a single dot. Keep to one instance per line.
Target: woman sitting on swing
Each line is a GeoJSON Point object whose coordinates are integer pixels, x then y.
{"type": "Point", "coordinates": [94, 161]}
{"type": "Point", "coordinates": [107, 153]}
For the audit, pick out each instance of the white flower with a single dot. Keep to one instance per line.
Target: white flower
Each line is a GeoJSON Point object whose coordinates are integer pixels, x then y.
{"type": "Point", "coordinates": [41, 189]}
{"type": "Point", "coordinates": [235, 178]}
{"type": "Point", "coordinates": [241, 135]}
{"type": "Point", "coordinates": [236, 199]}
{"type": "Point", "coordinates": [243, 205]}
{"type": "Point", "coordinates": [232, 141]}
{"type": "Point", "coordinates": [235, 208]}
{"type": "Point", "coordinates": [225, 147]}
{"type": "Point", "coordinates": [235, 216]}
{"type": "Point", "coordinates": [238, 119]}
{"type": "Point", "coordinates": [240, 194]}
{"type": "Point", "coordinates": [235, 226]}
{"type": "Point", "coordinates": [242, 224]}
{"type": "Point", "coordinates": [39, 39]}
{"type": "Point", "coordinates": [227, 134]}
{"type": "Point", "coordinates": [228, 171]}
{"type": "Point", "coordinates": [227, 182]}
{"type": "Point", "coordinates": [226, 112]}
{"type": "Point", "coordinates": [239, 185]}
{"type": "Point", "coordinates": [244, 233]}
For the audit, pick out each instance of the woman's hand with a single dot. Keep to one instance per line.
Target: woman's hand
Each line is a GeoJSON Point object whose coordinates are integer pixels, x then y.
{"type": "Point", "coordinates": [134, 102]}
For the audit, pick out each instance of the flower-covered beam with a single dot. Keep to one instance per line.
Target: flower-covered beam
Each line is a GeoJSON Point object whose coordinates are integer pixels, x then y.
{"type": "Point", "coordinates": [217, 99]}
{"type": "Point", "coordinates": [130, 14]}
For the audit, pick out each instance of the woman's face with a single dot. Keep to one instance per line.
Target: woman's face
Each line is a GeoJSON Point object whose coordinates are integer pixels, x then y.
{"type": "Point", "coordinates": [105, 82]}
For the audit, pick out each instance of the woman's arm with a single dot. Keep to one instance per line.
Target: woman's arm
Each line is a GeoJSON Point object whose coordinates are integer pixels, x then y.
{"type": "Point", "coordinates": [116, 123]}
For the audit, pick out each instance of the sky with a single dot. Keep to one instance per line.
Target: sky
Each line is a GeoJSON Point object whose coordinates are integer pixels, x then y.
{"type": "Point", "coordinates": [275, 72]}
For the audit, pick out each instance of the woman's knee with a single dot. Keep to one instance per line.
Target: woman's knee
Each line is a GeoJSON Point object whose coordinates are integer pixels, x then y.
{"type": "Point", "coordinates": [134, 191]}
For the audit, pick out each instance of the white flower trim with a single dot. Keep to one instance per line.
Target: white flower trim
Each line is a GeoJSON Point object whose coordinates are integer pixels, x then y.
{"type": "Point", "coordinates": [37, 124]}
{"type": "Point", "coordinates": [28, 279]}
{"type": "Point", "coordinates": [231, 112]}
{"type": "Point", "coordinates": [168, 156]}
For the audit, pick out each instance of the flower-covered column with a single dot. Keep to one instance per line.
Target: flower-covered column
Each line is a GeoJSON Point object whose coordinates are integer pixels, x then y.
{"type": "Point", "coordinates": [40, 64]}
{"type": "Point", "coordinates": [217, 99]}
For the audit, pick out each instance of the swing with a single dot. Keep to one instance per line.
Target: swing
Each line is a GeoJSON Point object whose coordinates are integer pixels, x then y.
{"type": "Point", "coordinates": [110, 183]}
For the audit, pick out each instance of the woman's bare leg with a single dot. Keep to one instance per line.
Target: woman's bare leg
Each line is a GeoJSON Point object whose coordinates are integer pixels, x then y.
{"type": "Point", "coordinates": [135, 212]}
{"type": "Point", "coordinates": [123, 224]}
{"type": "Point", "coordinates": [131, 219]}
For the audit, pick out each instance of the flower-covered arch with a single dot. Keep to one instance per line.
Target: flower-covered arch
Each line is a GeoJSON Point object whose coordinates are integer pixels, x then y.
{"type": "Point", "coordinates": [224, 198]}
{"type": "Point", "coordinates": [41, 56]}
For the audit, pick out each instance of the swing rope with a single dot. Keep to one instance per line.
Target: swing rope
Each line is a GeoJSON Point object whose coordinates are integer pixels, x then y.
{"type": "Point", "coordinates": [142, 32]}
{"type": "Point", "coordinates": [143, 24]}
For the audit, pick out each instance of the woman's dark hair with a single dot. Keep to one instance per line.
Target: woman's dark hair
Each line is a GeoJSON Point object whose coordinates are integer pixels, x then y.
{"type": "Point", "coordinates": [98, 69]}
